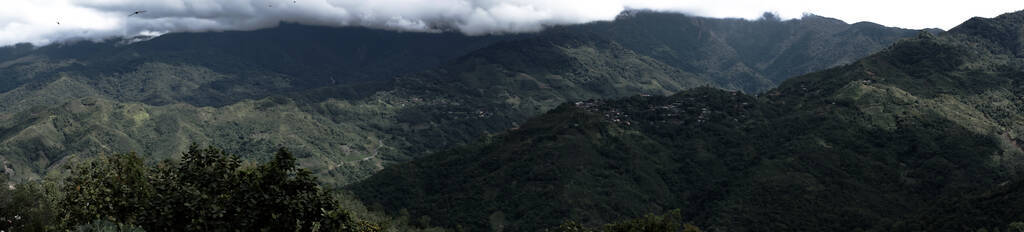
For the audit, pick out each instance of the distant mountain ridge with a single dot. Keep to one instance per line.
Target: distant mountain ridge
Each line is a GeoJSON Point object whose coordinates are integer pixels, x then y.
{"type": "Point", "coordinates": [752, 56]}
{"type": "Point", "coordinates": [265, 62]}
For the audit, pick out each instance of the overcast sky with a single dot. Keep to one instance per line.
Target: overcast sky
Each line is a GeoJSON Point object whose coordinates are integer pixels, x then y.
{"type": "Point", "coordinates": [36, 21]}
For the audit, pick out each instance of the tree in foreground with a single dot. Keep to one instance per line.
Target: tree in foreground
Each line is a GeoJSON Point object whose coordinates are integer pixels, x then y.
{"type": "Point", "coordinates": [27, 207]}
{"type": "Point", "coordinates": [669, 222]}
{"type": "Point", "coordinates": [208, 190]}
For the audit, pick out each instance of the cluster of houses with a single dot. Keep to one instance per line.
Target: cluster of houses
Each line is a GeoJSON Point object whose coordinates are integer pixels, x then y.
{"type": "Point", "coordinates": [675, 111]}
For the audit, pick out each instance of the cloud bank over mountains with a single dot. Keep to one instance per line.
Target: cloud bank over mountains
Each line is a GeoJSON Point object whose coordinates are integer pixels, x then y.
{"type": "Point", "coordinates": [46, 21]}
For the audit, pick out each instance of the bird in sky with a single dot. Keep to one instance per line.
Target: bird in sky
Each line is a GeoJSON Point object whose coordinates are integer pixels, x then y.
{"type": "Point", "coordinates": [136, 12]}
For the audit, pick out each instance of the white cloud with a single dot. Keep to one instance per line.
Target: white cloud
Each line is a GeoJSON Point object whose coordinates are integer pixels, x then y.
{"type": "Point", "coordinates": [35, 21]}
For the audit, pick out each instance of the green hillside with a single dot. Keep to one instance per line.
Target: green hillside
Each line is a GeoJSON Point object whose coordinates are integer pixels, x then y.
{"type": "Point", "coordinates": [346, 139]}
{"type": "Point", "coordinates": [356, 99]}
{"type": "Point", "coordinates": [921, 136]}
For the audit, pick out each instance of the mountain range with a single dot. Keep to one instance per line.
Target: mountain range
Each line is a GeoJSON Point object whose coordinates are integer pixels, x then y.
{"type": "Point", "coordinates": [349, 101]}
{"type": "Point", "coordinates": [809, 124]}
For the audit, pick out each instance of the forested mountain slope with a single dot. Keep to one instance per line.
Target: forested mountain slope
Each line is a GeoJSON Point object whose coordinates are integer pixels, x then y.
{"type": "Point", "coordinates": [923, 135]}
